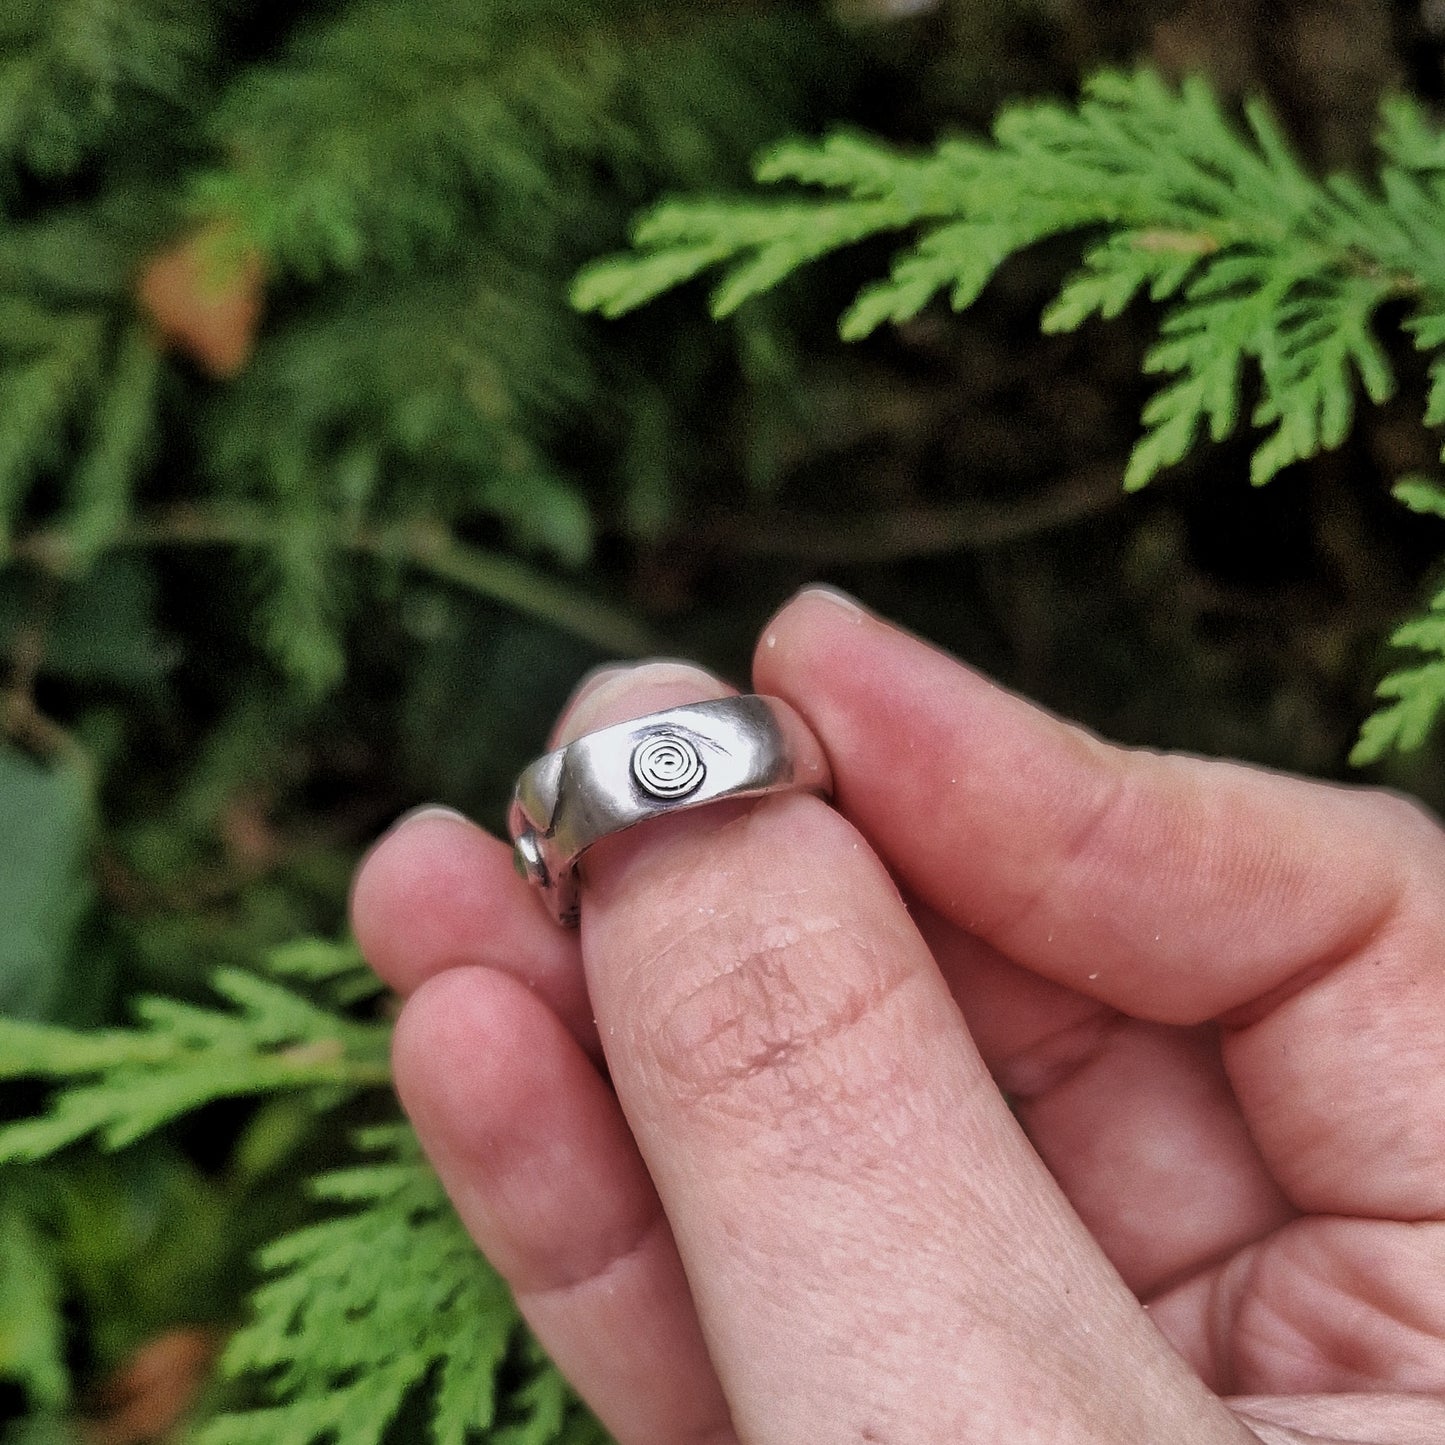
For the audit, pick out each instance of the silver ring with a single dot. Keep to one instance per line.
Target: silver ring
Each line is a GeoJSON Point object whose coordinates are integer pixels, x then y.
{"type": "Point", "coordinates": [617, 777]}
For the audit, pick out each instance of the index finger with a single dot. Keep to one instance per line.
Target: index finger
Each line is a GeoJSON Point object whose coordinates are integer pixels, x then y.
{"type": "Point", "coordinates": [868, 1238]}
{"type": "Point", "coordinates": [1306, 918]}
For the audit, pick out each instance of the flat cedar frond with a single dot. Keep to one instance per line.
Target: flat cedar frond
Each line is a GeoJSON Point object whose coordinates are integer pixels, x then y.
{"type": "Point", "coordinates": [1414, 696]}
{"type": "Point", "coordinates": [1259, 267]}
{"type": "Point", "coordinates": [385, 1303]}
{"type": "Point", "coordinates": [1264, 265]}
{"type": "Point", "coordinates": [338, 968]}
{"type": "Point", "coordinates": [120, 1084]}
{"type": "Point", "coordinates": [378, 1302]}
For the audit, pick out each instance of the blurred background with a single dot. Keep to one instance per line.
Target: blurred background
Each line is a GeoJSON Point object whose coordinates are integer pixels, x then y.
{"type": "Point", "coordinates": [316, 497]}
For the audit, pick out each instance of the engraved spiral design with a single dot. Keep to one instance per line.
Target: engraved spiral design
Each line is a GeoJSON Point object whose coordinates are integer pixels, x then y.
{"type": "Point", "coordinates": [667, 765]}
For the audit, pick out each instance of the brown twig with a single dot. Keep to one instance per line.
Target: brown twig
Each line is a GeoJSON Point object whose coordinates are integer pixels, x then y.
{"type": "Point", "coordinates": [905, 532]}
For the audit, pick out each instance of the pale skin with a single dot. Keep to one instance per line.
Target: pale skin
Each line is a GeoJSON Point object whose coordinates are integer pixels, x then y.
{"type": "Point", "coordinates": [744, 1148]}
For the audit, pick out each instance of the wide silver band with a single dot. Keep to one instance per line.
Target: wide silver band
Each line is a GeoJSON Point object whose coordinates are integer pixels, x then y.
{"type": "Point", "coordinates": [732, 747]}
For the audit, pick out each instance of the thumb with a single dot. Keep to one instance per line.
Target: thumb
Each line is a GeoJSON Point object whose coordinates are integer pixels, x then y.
{"type": "Point", "coordinates": [875, 1251]}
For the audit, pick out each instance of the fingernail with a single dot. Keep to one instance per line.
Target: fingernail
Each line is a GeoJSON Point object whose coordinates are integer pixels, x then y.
{"type": "Point", "coordinates": [426, 810]}
{"type": "Point", "coordinates": [634, 692]}
{"type": "Point", "coordinates": [825, 592]}
{"type": "Point", "coordinates": [591, 681]}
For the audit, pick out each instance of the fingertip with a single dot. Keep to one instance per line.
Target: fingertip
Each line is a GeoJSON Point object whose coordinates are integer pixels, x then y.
{"type": "Point", "coordinates": [385, 887]}
{"type": "Point", "coordinates": [633, 692]}
{"type": "Point", "coordinates": [437, 892]}
{"type": "Point", "coordinates": [464, 1048]}
{"type": "Point", "coordinates": [520, 1126]}
{"type": "Point", "coordinates": [587, 684]}
{"type": "Point", "coordinates": [822, 634]}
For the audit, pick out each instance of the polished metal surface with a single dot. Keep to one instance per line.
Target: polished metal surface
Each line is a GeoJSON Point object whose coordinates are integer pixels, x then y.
{"type": "Point", "coordinates": [617, 777]}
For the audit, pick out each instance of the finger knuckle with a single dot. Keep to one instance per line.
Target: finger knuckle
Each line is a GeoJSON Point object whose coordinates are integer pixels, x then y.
{"type": "Point", "coordinates": [756, 1016]}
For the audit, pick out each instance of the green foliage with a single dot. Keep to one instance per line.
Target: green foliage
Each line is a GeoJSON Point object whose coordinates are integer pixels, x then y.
{"type": "Point", "coordinates": [1415, 695]}
{"type": "Point", "coordinates": [362, 1310]}
{"type": "Point", "coordinates": [1260, 268]}
{"type": "Point", "coordinates": [338, 968]}
{"type": "Point", "coordinates": [347, 162]}
{"type": "Point", "coordinates": [452, 161]}
{"type": "Point", "coordinates": [1265, 265]}
{"type": "Point", "coordinates": [451, 386]}
{"type": "Point", "coordinates": [131, 1243]}
{"type": "Point", "coordinates": [367, 1307]}
{"type": "Point", "coordinates": [74, 73]}
{"type": "Point", "coordinates": [79, 380]}
{"type": "Point", "coordinates": [122, 1084]}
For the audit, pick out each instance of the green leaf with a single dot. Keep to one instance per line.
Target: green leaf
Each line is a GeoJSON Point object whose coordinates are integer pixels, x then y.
{"type": "Point", "coordinates": [122, 1084]}
{"type": "Point", "coordinates": [1266, 267]}
{"type": "Point", "coordinates": [1116, 271]}
{"type": "Point", "coordinates": [1419, 694]}
{"type": "Point", "coordinates": [615, 285]}
{"type": "Point", "coordinates": [380, 1302]}
{"type": "Point", "coordinates": [47, 813]}
{"type": "Point", "coordinates": [1408, 137]}
{"type": "Point", "coordinates": [338, 966]}
{"type": "Point", "coordinates": [1421, 494]}
{"type": "Point", "coordinates": [961, 259]}
{"type": "Point", "coordinates": [1415, 695]}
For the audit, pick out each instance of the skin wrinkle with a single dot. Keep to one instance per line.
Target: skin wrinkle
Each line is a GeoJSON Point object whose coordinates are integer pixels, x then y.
{"type": "Point", "coordinates": [764, 1020]}
{"type": "Point", "coordinates": [1272, 875]}
{"type": "Point", "coordinates": [1348, 1419]}
{"type": "Point", "coordinates": [697, 874]}
{"type": "Point", "coordinates": [1109, 1042]}
{"type": "Point", "coordinates": [613, 1262]}
{"type": "Point", "coordinates": [1106, 832]}
{"type": "Point", "coordinates": [1262, 1317]}
{"type": "Point", "coordinates": [1050, 1062]}
{"type": "Point", "coordinates": [760, 1001]}
{"type": "Point", "coordinates": [1251, 1322]}
{"type": "Point", "coordinates": [1226, 1297]}
{"type": "Point", "coordinates": [1282, 1435]}
{"type": "Point", "coordinates": [1401, 1139]}
{"type": "Point", "coordinates": [1336, 1274]}
{"type": "Point", "coordinates": [1268, 874]}
{"type": "Point", "coordinates": [1202, 1268]}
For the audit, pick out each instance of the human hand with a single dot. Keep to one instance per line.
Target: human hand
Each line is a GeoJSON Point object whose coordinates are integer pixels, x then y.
{"type": "Point", "coordinates": [1215, 996]}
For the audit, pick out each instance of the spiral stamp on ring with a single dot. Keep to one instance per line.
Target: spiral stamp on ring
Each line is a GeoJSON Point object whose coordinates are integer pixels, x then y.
{"type": "Point", "coordinates": [619, 776]}
{"type": "Point", "coordinates": [667, 765]}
